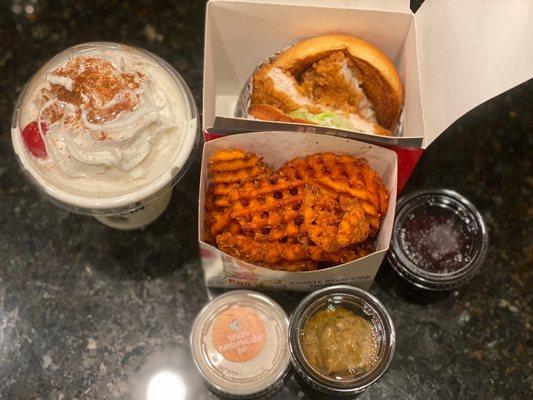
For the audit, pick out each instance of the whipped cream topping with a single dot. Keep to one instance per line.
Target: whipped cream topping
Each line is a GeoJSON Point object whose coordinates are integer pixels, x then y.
{"type": "Point", "coordinates": [102, 116]}
{"type": "Point", "coordinates": [115, 120]}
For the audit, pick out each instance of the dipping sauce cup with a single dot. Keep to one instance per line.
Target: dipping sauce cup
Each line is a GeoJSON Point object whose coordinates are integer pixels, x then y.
{"type": "Point", "coordinates": [439, 240]}
{"type": "Point", "coordinates": [356, 335]}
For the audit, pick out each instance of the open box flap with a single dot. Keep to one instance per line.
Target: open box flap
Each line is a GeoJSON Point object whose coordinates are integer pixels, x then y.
{"type": "Point", "coordinates": [469, 52]}
{"type": "Point", "coordinates": [378, 5]}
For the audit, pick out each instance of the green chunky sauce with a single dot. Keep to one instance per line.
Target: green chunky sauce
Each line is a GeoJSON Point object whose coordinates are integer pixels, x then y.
{"type": "Point", "coordinates": [339, 341]}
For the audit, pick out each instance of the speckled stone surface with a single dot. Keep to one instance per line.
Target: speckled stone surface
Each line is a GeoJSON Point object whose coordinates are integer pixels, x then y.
{"type": "Point", "coordinates": [87, 312]}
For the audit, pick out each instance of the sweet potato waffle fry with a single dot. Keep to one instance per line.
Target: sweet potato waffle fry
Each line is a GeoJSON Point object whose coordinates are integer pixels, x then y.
{"type": "Point", "coordinates": [314, 212]}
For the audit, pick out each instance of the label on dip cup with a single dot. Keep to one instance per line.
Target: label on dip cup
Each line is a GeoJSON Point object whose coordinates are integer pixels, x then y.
{"type": "Point", "coordinates": [239, 343]}
{"type": "Point", "coordinates": [238, 334]}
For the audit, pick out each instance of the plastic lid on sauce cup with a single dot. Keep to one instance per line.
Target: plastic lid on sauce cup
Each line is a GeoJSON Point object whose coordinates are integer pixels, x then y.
{"type": "Point", "coordinates": [239, 344]}
{"type": "Point", "coordinates": [361, 304]}
{"type": "Point", "coordinates": [439, 240]}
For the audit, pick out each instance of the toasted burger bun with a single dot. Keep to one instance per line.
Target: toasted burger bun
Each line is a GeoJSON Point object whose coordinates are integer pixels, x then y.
{"type": "Point", "coordinates": [378, 78]}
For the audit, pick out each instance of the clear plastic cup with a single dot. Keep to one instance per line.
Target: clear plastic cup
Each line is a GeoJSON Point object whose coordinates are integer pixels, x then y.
{"type": "Point", "coordinates": [439, 241]}
{"type": "Point", "coordinates": [360, 303]}
{"type": "Point", "coordinates": [127, 208]}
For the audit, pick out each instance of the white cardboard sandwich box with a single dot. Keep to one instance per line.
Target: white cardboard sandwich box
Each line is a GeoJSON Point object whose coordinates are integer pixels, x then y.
{"type": "Point", "coordinates": [451, 55]}
{"type": "Point", "coordinates": [223, 270]}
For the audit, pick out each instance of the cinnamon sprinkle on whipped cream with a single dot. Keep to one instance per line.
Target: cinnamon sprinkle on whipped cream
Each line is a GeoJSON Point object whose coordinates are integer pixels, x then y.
{"type": "Point", "coordinates": [116, 119]}
{"type": "Point", "coordinates": [89, 86]}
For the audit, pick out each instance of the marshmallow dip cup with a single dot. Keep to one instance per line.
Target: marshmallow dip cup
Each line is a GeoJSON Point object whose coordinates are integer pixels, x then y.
{"type": "Point", "coordinates": [118, 128]}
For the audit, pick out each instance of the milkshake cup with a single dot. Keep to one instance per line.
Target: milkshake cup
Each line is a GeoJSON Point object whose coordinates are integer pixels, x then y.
{"type": "Point", "coordinates": [107, 130]}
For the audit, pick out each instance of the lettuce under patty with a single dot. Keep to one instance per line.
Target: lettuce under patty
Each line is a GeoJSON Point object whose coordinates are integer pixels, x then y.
{"type": "Point", "coordinates": [329, 119]}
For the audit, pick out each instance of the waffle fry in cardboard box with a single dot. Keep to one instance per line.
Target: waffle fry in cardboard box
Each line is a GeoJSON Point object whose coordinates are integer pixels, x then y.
{"type": "Point", "coordinates": [279, 209]}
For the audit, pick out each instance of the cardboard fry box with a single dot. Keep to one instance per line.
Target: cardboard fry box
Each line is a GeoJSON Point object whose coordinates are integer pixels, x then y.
{"type": "Point", "coordinates": [451, 55]}
{"type": "Point", "coordinates": [223, 270]}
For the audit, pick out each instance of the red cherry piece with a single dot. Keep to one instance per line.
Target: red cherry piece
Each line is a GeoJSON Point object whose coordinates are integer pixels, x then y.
{"type": "Point", "coordinates": [33, 140]}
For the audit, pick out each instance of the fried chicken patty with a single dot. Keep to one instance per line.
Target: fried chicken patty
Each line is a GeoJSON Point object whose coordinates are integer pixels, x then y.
{"type": "Point", "coordinates": [335, 82]}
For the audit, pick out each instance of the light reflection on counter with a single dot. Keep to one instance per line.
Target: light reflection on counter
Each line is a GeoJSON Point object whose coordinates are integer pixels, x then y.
{"type": "Point", "coordinates": [166, 375]}
{"type": "Point", "coordinates": [166, 385]}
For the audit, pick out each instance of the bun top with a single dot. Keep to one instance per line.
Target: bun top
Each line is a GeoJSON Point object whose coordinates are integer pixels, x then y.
{"type": "Point", "coordinates": [380, 80]}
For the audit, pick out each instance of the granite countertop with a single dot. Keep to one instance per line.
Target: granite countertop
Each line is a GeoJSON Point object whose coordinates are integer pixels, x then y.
{"type": "Point", "coordinates": [88, 312]}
